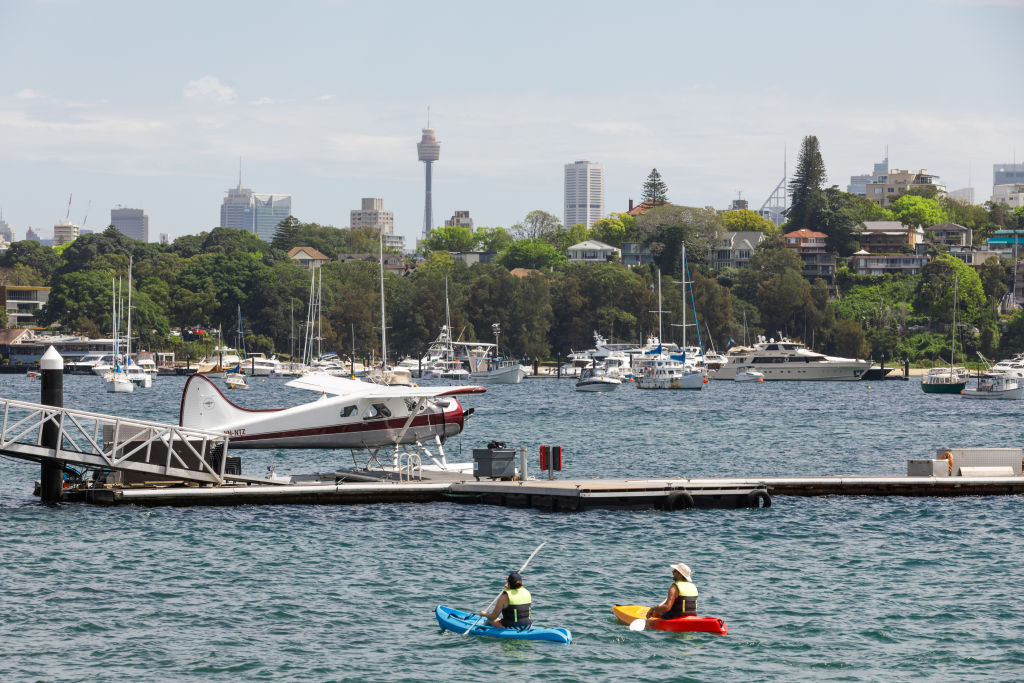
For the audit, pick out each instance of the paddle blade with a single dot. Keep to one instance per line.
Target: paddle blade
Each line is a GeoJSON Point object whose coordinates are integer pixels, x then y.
{"type": "Point", "coordinates": [638, 625]}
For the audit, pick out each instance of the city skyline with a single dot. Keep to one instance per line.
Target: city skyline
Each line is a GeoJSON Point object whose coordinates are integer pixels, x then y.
{"type": "Point", "coordinates": [713, 109]}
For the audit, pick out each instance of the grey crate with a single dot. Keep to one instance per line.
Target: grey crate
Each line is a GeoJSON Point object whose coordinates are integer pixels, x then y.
{"type": "Point", "coordinates": [498, 463]}
{"type": "Point", "coordinates": [925, 467]}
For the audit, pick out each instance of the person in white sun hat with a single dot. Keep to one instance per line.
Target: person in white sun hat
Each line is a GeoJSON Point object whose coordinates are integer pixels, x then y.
{"type": "Point", "coordinates": [682, 596]}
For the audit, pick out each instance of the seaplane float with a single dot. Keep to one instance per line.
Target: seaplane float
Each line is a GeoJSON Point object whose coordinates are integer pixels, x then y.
{"type": "Point", "coordinates": [350, 414]}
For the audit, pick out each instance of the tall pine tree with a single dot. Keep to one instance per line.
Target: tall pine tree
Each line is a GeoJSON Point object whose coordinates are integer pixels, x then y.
{"type": "Point", "coordinates": [655, 189]}
{"type": "Point", "coordinates": [805, 187]}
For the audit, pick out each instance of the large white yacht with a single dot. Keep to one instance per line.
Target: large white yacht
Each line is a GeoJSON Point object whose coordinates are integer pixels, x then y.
{"type": "Point", "coordinates": [790, 360]}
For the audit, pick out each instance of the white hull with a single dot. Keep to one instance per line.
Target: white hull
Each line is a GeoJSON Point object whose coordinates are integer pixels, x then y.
{"type": "Point", "coordinates": [1006, 394]}
{"type": "Point", "coordinates": [598, 384]}
{"type": "Point", "coordinates": [693, 381]}
{"type": "Point", "coordinates": [749, 377]}
{"type": "Point", "coordinates": [118, 383]}
{"type": "Point", "coordinates": [849, 371]}
{"type": "Point", "coordinates": [512, 374]}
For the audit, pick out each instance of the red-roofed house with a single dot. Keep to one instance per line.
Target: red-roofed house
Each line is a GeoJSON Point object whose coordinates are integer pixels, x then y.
{"type": "Point", "coordinates": [307, 257]}
{"type": "Point", "coordinates": [810, 247]}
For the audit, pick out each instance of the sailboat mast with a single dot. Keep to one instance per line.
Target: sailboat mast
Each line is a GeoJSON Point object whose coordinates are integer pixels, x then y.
{"type": "Point", "coordinates": [128, 339]}
{"type": "Point", "coordinates": [952, 341]}
{"type": "Point", "coordinates": [383, 324]}
{"type": "Point", "coordinates": [661, 337]}
{"type": "Point", "coordinates": [682, 276]}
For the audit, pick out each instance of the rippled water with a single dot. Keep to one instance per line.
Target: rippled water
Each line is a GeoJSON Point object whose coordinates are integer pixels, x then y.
{"type": "Point", "coordinates": [861, 589]}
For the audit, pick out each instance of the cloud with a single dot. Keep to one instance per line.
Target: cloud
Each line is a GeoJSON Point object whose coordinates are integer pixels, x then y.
{"type": "Point", "coordinates": [210, 87]}
{"type": "Point", "coordinates": [29, 94]}
{"type": "Point", "coordinates": [266, 100]}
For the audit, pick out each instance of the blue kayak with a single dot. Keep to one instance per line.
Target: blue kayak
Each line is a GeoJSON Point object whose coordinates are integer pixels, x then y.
{"type": "Point", "coordinates": [458, 621]}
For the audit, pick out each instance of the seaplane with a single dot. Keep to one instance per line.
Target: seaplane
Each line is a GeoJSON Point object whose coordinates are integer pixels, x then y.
{"type": "Point", "coordinates": [350, 414]}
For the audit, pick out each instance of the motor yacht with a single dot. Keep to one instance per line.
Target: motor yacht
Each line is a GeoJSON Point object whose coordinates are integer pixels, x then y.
{"type": "Point", "coordinates": [593, 380]}
{"type": "Point", "coordinates": [996, 385]}
{"type": "Point", "coordinates": [789, 360]}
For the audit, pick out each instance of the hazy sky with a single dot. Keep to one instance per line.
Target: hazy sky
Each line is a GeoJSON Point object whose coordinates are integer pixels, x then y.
{"type": "Point", "coordinates": [150, 105]}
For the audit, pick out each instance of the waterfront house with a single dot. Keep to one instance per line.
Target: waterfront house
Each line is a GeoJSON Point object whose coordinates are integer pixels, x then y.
{"type": "Point", "coordinates": [865, 263]}
{"type": "Point", "coordinates": [592, 251]}
{"type": "Point", "coordinates": [307, 257]}
{"type": "Point", "coordinates": [886, 237]}
{"type": "Point", "coordinates": [733, 249]}
{"type": "Point", "coordinates": [810, 247]}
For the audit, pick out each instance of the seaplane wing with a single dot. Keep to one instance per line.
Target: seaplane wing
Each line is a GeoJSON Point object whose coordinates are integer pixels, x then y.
{"type": "Point", "coordinates": [364, 416]}
{"type": "Point", "coordinates": [342, 386]}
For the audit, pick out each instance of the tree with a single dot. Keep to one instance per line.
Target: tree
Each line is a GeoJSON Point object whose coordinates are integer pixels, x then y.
{"type": "Point", "coordinates": [806, 186]}
{"type": "Point", "coordinates": [745, 220]}
{"type": "Point", "coordinates": [918, 212]}
{"type": "Point", "coordinates": [655, 191]}
{"type": "Point", "coordinates": [30, 253]}
{"type": "Point", "coordinates": [935, 291]}
{"type": "Point", "coordinates": [492, 239]}
{"type": "Point", "coordinates": [664, 228]}
{"type": "Point", "coordinates": [537, 224]}
{"type": "Point", "coordinates": [450, 238]}
{"type": "Point", "coordinates": [772, 258]}
{"type": "Point", "coordinates": [83, 294]}
{"type": "Point", "coordinates": [563, 239]}
{"type": "Point", "coordinates": [531, 253]}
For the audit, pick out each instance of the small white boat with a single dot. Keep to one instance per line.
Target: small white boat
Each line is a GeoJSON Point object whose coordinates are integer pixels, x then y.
{"type": "Point", "coordinates": [747, 373]}
{"type": "Point", "coordinates": [996, 385]}
{"type": "Point", "coordinates": [596, 381]}
{"type": "Point", "coordinates": [117, 382]}
{"type": "Point", "coordinates": [236, 380]}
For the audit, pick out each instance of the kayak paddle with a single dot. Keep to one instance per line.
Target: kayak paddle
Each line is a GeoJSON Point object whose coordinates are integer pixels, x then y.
{"type": "Point", "coordinates": [488, 609]}
{"type": "Point", "coordinates": [637, 625]}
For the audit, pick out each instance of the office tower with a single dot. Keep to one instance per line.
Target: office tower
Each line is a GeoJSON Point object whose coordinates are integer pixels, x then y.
{"type": "Point", "coordinates": [132, 223]}
{"type": "Point", "coordinates": [1007, 174]}
{"type": "Point", "coordinates": [31, 234]}
{"type": "Point", "coordinates": [859, 183]}
{"type": "Point", "coordinates": [584, 193]}
{"type": "Point", "coordinates": [429, 150]}
{"type": "Point", "coordinates": [237, 210]}
{"type": "Point", "coordinates": [6, 231]}
{"type": "Point", "coordinates": [64, 232]}
{"type": "Point", "coordinates": [268, 211]}
{"type": "Point", "coordinates": [373, 215]}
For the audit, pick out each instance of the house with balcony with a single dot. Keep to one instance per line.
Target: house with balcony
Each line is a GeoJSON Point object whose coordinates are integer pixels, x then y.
{"type": "Point", "coordinates": [592, 251]}
{"type": "Point", "coordinates": [810, 246]}
{"type": "Point", "coordinates": [307, 257]}
{"type": "Point", "coordinates": [23, 304]}
{"type": "Point", "coordinates": [951, 234]}
{"type": "Point", "coordinates": [733, 249]}
{"type": "Point", "coordinates": [886, 237]}
{"type": "Point", "coordinates": [636, 254]}
{"type": "Point", "coordinates": [865, 263]}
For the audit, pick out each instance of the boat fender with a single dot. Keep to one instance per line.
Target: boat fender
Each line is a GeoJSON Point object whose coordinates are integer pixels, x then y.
{"type": "Point", "coordinates": [948, 456]}
{"type": "Point", "coordinates": [680, 500]}
{"type": "Point", "coordinates": [756, 499]}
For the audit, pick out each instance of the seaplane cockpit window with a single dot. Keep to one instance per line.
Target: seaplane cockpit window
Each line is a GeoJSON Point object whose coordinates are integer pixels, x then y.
{"type": "Point", "coordinates": [377, 411]}
{"type": "Point", "coordinates": [348, 411]}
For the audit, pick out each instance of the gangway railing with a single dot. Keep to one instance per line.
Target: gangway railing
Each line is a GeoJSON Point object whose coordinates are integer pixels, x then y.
{"type": "Point", "coordinates": [116, 443]}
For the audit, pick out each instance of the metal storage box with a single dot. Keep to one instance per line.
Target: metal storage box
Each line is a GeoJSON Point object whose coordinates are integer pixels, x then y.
{"type": "Point", "coordinates": [924, 467]}
{"type": "Point", "coordinates": [497, 463]}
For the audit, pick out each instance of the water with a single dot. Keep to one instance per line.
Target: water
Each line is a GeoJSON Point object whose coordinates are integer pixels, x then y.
{"type": "Point", "coordinates": [820, 588]}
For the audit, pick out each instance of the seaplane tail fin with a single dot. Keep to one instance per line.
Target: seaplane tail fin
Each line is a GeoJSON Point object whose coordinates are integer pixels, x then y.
{"type": "Point", "coordinates": [203, 406]}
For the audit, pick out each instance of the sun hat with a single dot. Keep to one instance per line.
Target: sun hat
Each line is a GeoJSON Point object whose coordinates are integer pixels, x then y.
{"type": "Point", "coordinates": [682, 569]}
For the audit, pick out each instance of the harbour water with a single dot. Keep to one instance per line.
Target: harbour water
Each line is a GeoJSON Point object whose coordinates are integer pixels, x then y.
{"type": "Point", "coordinates": [853, 589]}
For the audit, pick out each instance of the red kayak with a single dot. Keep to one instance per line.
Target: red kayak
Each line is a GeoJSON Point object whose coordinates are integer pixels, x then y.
{"type": "Point", "coordinates": [627, 614]}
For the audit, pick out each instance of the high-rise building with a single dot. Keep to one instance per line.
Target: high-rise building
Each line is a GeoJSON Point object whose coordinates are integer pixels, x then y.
{"type": "Point", "coordinates": [373, 215]}
{"type": "Point", "coordinates": [429, 151]}
{"type": "Point", "coordinates": [64, 232]}
{"type": "Point", "coordinates": [965, 194]}
{"type": "Point", "coordinates": [132, 223]}
{"type": "Point", "coordinates": [460, 219]}
{"type": "Point", "coordinates": [859, 183]}
{"type": "Point", "coordinates": [259, 214]}
{"type": "Point", "coordinates": [268, 211]}
{"type": "Point", "coordinates": [237, 209]}
{"type": "Point", "coordinates": [584, 193]}
{"type": "Point", "coordinates": [1007, 174]}
{"type": "Point", "coordinates": [31, 234]}
{"type": "Point", "coordinates": [6, 231]}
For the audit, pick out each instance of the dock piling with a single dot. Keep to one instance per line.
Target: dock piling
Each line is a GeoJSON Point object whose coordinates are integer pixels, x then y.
{"type": "Point", "coordinates": [51, 393]}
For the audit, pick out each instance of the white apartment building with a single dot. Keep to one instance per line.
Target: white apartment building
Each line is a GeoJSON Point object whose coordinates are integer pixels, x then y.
{"type": "Point", "coordinates": [584, 193]}
{"type": "Point", "coordinates": [64, 232]}
{"type": "Point", "coordinates": [373, 215]}
{"type": "Point", "coordinates": [1011, 194]}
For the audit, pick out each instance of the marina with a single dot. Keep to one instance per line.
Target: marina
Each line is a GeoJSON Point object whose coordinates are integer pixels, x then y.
{"type": "Point", "coordinates": [787, 579]}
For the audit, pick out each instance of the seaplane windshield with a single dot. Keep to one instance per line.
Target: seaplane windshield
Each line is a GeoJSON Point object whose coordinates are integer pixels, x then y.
{"type": "Point", "coordinates": [348, 411]}
{"type": "Point", "coordinates": [377, 410]}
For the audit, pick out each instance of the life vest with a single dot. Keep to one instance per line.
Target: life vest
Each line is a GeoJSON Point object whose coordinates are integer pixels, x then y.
{"type": "Point", "coordinates": [517, 613]}
{"type": "Point", "coordinates": [686, 601]}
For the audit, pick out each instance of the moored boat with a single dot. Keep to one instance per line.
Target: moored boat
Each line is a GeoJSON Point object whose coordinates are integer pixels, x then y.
{"type": "Point", "coordinates": [593, 380]}
{"type": "Point", "coordinates": [791, 360]}
{"type": "Point", "coordinates": [996, 385]}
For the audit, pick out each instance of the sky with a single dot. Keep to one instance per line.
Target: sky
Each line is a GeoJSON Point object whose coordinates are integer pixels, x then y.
{"type": "Point", "coordinates": [151, 105]}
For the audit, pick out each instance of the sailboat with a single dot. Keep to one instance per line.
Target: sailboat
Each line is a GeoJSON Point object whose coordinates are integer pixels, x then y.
{"type": "Point", "coordinates": [136, 373]}
{"type": "Point", "coordinates": [400, 376]}
{"type": "Point", "coordinates": [116, 380]}
{"type": "Point", "coordinates": [662, 370]}
{"type": "Point", "coordinates": [951, 380]}
{"type": "Point", "coordinates": [234, 378]}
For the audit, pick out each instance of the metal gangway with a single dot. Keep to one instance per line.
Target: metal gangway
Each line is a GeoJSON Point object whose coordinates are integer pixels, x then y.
{"type": "Point", "coordinates": [106, 442]}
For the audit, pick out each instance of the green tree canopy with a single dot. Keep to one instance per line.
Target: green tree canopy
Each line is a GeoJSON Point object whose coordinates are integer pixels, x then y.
{"type": "Point", "coordinates": [450, 238]}
{"type": "Point", "coordinates": [919, 212]}
{"type": "Point", "coordinates": [531, 253]}
{"type": "Point", "coordinates": [34, 255]}
{"type": "Point", "coordinates": [935, 293]}
{"type": "Point", "coordinates": [537, 225]}
{"type": "Point", "coordinates": [745, 220]}
{"type": "Point", "coordinates": [492, 239]}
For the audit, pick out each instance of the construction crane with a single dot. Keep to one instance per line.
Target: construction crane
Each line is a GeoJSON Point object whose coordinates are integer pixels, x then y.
{"type": "Point", "coordinates": [67, 214]}
{"type": "Point", "coordinates": [86, 217]}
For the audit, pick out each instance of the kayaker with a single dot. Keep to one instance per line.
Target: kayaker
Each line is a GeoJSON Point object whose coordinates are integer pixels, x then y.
{"type": "Point", "coordinates": [682, 596]}
{"type": "Point", "coordinates": [513, 605]}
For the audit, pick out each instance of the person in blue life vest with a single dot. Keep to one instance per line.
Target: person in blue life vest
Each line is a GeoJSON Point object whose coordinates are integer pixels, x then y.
{"type": "Point", "coordinates": [682, 596]}
{"type": "Point", "coordinates": [513, 605]}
